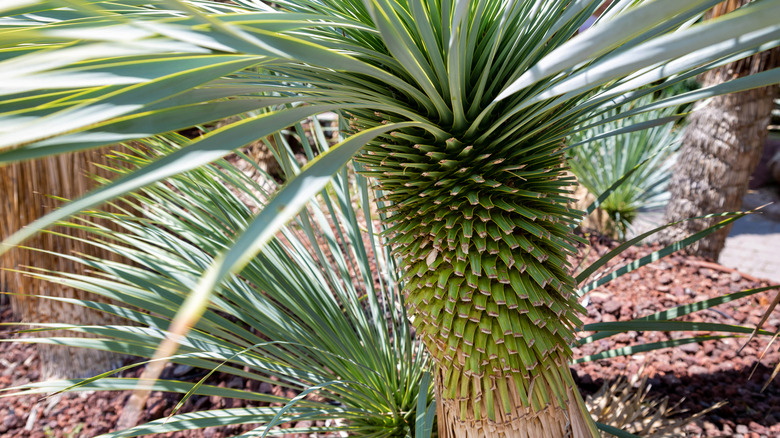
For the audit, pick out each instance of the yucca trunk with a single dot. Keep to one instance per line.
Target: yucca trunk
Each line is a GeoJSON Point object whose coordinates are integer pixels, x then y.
{"type": "Point", "coordinates": [27, 190]}
{"type": "Point", "coordinates": [483, 234]}
{"type": "Point", "coordinates": [721, 148]}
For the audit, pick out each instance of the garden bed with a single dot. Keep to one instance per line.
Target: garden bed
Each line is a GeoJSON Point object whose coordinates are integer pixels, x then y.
{"type": "Point", "coordinates": [700, 373]}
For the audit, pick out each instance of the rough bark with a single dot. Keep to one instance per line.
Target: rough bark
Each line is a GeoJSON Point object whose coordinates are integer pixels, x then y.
{"type": "Point", "coordinates": [26, 189]}
{"type": "Point", "coordinates": [550, 422]}
{"type": "Point", "coordinates": [721, 147]}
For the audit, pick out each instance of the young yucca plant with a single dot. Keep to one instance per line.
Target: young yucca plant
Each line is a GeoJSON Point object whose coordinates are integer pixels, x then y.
{"type": "Point", "coordinates": [319, 314]}
{"type": "Point", "coordinates": [644, 157]}
{"type": "Point", "coordinates": [463, 107]}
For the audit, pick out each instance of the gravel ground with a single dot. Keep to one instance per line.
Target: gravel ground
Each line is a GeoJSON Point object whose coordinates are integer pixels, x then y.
{"type": "Point", "coordinates": [701, 373]}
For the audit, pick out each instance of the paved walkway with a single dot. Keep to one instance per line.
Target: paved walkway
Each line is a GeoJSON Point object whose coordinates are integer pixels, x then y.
{"type": "Point", "coordinates": [753, 247]}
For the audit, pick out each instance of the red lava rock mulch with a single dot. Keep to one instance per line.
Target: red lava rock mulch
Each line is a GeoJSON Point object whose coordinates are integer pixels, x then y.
{"type": "Point", "coordinates": [92, 413]}
{"type": "Point", "coordinates": [700, 373]}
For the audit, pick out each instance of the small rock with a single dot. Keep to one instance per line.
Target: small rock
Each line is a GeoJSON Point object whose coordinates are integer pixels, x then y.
{"type": "Point", "coordinates": [181, 370]}
{"type": "Point", "coordinates": [736, 276]}
{"type": "Point", "coordinates": [235, 382]}
{"type": "Point", "coordinates": [11, 420]}
{"type": "Point", "coordinates": [672, 380]}
{"type": "Point", "coordinates": [611, 306]}
{"type": "Point", "coordinates": [157, 409]}
{"type": "Point", "coordinates": [706, 272]}
{"type": "Point", "coordinates": [693, 429]}
{"type": "Point", "coordinates": [265, 388]}
{"type": "Point", "coordinates": [608, 317]}
{"type": "Point", "coordinates": [741, 428]}
{"type": "Point", "coordinates": [755, 427]}
{"type": "Point", "coordinates": [304, 424]}
{"type": "Point", "coordinates": [678, 354]}
{"type": "Point", "coordinates": [599, 297]}
{"type": "Point", "coordinates": [725, 366]}
{"type": "Point", "coordinates": [697, 369]}
{"type": "Point", "coordinates": [665, 279]}
{"type": "Point", "coordinates": [690, 348]}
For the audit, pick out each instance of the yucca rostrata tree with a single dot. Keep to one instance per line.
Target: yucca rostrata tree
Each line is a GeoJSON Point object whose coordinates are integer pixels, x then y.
{"type": "Point", "coordinates": [483, 234]}
{"type": "Point", "coordinates": [464, 109]}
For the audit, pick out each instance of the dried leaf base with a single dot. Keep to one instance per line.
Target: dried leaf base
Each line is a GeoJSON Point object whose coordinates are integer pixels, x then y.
{"type": "Point", "coordinates": [551, 421]}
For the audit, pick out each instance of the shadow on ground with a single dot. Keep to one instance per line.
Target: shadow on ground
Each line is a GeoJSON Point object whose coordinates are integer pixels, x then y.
{"type": "Point", "coordinates": [747, 404]}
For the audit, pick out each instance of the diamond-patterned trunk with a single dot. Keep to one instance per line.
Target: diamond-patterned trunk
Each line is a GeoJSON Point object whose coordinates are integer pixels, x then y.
{"type": "Point", "coordinates": [483, 235]}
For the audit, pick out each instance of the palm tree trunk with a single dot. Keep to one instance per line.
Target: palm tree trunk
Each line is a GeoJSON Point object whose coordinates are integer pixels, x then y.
{"type": "Point", "coordinates": [26, 189]}
{"type": "Point", "coordinates": [722, 145]}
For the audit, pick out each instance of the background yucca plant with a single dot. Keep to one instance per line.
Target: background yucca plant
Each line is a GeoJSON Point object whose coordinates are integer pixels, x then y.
{"type": "Point", "coordinates": [645, 158]}
{"type": "Point", "coordinates": [462, 110]}
{"type": "Point", "coordinates": [319, 313]}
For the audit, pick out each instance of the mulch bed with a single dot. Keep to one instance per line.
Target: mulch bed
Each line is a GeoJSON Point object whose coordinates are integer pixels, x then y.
{"type": "Point", "coordinates": [701, 374]}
